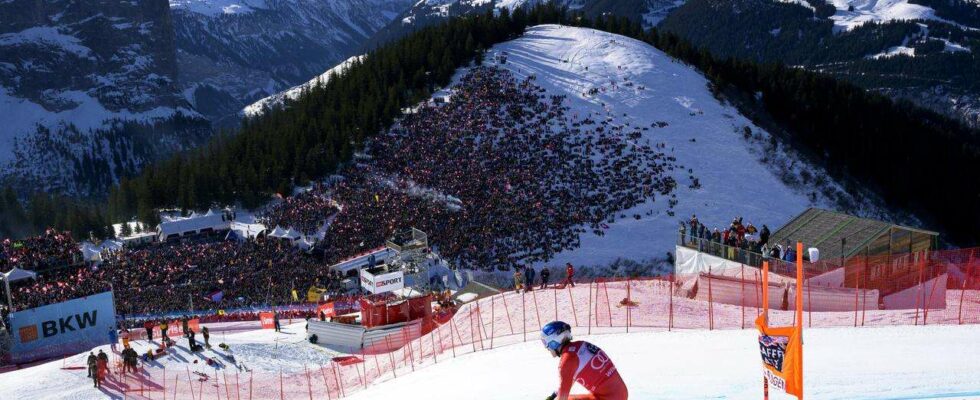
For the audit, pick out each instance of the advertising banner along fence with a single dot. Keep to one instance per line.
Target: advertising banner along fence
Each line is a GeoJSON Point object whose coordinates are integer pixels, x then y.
{"type": "Point", "coordinates": [68, 327]}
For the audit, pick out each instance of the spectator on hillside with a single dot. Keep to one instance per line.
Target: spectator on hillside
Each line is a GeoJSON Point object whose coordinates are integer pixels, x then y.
{"type": "Point", "coordinates": [569, 275]}
{"type": "Point", "coordinates": [545, 274]}
{"type": "Point", "coordinates": [529, 278]}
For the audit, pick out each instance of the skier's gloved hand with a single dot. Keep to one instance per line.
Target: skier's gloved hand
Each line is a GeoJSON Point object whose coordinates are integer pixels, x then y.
{"type": "Point", "coordinates": [552, 396]}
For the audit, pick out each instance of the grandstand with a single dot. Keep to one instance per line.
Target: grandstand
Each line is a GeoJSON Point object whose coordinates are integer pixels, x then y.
{"type": "Point", "coordinates": [842, 236]}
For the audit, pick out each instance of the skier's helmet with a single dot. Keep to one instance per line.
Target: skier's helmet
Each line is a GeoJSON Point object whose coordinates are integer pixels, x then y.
{"type": "Point", "coordinates": [555, 335]}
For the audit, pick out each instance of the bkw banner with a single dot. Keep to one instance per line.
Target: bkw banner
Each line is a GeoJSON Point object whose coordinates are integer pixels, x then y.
{"type": "Point", "coordinates": [63, 328]}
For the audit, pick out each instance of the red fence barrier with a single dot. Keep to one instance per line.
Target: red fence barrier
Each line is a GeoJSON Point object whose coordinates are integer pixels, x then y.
{"type": "Point", "coordinates": [714, 299]}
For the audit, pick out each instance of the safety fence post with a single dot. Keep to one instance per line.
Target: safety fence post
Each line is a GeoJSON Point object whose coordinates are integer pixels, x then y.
{"type": "Point", "coordinates": [175, 385]}
{"type": "Point", "coordinates": [670, 298]}
{"type": "Point", "coordinates": [282, 395]}
{"type": "Point", "coordinates": [629, 300]}
{"type": "Point", "coordinates": [250, 391]}
{"type": "Point", "coordinates": [959, 318]}
{"type": "Point", "coordinates": [432, 339]}
{"type": "Point", "coordinates": [918, 296]}
{"type": "Point", "coordinates": [338, 378]}
{"type": "Point", "coordinates": [555, 293]}
{"type": "Point", "coordinates": [928, 302]}
{"type": "Point", "coordinates": [238, 387]}
{"type": "Point", "coordinates": [189, 383]}
{"type": "Point", "coordinates": [524, 315]}
{"type": "Point", "coordinates": [326, 386]}
{"type": "Point", "coordinates": [493, 319]}
{"type": "Point", "coordinates": [537, 313]}
{"type": "Point", "coordinates": [605, 288]}
{"type": "Point", "coordinates": [741, 296]}
{"type": "Point", "coordinates": [590, 305]}
{"type": "Point", "coordinates": [482, 325]}
{"type": "Point", "coordinates": [809, 304]}
{"type": "Point", "coordinates": [217, 394]}
{"type": "Point", "coordinates": [391, 355]}
{"type": "Point", "coordinates": [711, 303]}
{"type": "Point", "coordinates": [224, 373]}
{"type": "Point", "coordinates": [510, 323]}
{"type": "Point", "coordinates": [856, 292]}
{"type": "Point", "coordinates": [452, 341]}
{"type": "Point", "coordinates": [571, 301]}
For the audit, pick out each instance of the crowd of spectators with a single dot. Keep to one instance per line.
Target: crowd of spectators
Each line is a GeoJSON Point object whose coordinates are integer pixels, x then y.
{"type": "Point", "coordinates": [742, 242]}
{"type": "Point", "coordinates": [49, 250]}
{"type": "Point", "coordinates": [172, 276]}
{"type": "Point", "coordinates": [305, 212]}
{"type": "Point", "coordinates": [522, 176]}
{"type": "Point", "coordinates": [501, 175]}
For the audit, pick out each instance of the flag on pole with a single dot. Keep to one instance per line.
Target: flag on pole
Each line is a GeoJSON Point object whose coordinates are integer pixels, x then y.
{"type": "Point", "coordinates": [781, 348]}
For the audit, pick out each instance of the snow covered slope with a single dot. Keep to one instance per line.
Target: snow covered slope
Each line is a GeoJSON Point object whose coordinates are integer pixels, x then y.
{"type": "Point", "coordinates": [280, 98]}
{"type": "Point", "coordinates": [853, 13]}
{"type": "Point", "coordinates": [737, 172]}
{"type": "Point", "coordinates": [846, 363]}
{"type": "Point", "coordinates": [234, 52]}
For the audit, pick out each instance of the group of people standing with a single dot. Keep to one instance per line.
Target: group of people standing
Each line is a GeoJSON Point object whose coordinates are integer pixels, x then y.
{"type": "Point", "coordinates": [524, 277]}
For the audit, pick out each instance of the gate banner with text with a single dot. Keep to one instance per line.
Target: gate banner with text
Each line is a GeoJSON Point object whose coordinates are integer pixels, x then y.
{"type": "Point", "coordinates": [62, 328]}
{"type": "Point", "coordinates": [782, 354]}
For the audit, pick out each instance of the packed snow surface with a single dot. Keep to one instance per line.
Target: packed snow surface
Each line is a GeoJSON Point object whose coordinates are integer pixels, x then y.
{"type": "Point", "coordinates": [639, 85]}
{"type": "Point", "coordinates": [932, 362]}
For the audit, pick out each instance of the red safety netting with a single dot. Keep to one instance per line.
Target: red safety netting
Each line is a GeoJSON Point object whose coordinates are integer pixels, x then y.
{"type": "Point", "coordinates": [941, 288]}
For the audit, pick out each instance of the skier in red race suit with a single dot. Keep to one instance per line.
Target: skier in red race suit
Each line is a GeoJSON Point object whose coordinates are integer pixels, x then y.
{"type": "Point", "coordinates": [583, 363]}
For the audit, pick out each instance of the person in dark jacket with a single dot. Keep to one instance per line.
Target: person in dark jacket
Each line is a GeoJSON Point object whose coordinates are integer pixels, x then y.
{"type": "Point", "coordinates": [275, 320]}
{"type": "Point", "coordinates": [529, 278]}
{"type": "Point", "coordinates": [92, 365]}
{"type": "Point", "coordinates": [545, 274]}
{"type": "Point", "coordinates": [764, 235]}
{"type": "Point", "coordinates": [207, 337]}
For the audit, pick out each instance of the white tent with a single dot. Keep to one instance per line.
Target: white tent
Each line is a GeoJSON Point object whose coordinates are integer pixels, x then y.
{"type": "Point", "coordinates": [196, 223]}
{"type": "Point", "coordinates": [18, 274]}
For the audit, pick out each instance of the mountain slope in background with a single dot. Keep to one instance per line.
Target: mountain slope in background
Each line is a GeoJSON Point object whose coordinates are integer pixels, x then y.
{"type": "Point", "coordinates": [231, 53]}
{"type": "Point", "coordinates": [429, 12]}
{"type": "Point", "coordinates": [88, 93]}
{"type": "Point", "coordinates": [902, 48]}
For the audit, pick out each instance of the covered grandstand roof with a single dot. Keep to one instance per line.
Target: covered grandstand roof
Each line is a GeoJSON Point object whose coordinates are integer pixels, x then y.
{"type": "Point", "coordinates": [825, 229]}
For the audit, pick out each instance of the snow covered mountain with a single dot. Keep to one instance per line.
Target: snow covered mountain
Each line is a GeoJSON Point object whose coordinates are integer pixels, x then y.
{"type": "Point", "coordinates": [231, 53]}
{"type": "Point", "coordinates": [278, 99]}
{"type": "Point", "coordinates": [427, 12]}
{"type": "Point", "coordinates": [88, 93]}
{"type": "Point", "coordinates": [921, 50]}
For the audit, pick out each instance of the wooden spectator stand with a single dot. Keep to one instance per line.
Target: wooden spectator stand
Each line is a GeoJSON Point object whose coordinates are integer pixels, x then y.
{"type": "Point", "coordinates": [790, 359]}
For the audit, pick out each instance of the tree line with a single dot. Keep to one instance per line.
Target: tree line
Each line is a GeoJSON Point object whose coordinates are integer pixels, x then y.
{"type": "Point", "coordinates": [916, 159]}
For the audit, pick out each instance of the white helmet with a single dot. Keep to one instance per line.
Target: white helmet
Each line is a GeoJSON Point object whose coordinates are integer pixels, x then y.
{"type": "Point", "coordinates": [555, 335]}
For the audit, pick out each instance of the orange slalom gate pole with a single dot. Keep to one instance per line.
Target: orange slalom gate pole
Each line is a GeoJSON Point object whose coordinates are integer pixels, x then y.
{"type": "Point", "coordinates": [765, 313]}
{"type": "Point", "coordinates": [799, 305]}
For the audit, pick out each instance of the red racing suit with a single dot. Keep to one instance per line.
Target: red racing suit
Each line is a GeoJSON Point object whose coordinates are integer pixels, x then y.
{"type": "Point", "coordinates": [584, 363]}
